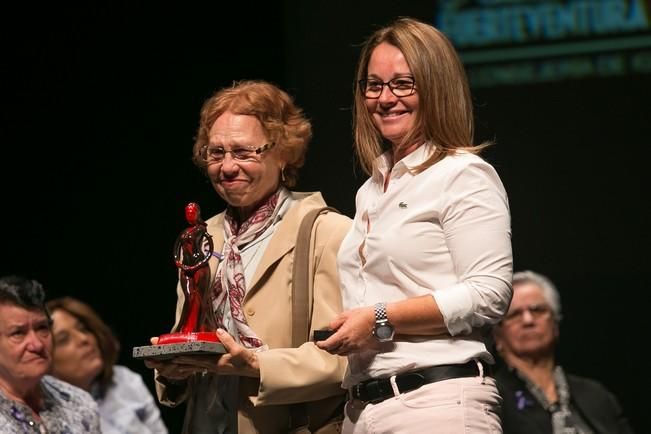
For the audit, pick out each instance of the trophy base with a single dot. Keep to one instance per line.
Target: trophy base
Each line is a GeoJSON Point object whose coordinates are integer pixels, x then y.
{"type": "Point", "coordinates": [171, 350]}
{"type": "Point", "coordinates": [181, 337]}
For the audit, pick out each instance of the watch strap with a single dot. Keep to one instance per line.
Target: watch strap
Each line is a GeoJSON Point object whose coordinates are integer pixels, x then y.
{"type": "Point", "coordinates": [380, 311]}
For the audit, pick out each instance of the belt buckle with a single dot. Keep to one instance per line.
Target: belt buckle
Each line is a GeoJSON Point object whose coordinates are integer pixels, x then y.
{"type": "Point", "coordinates": [370, 387]}
{"type": "Point", "coordinates": [375, 391]}
{"type": "Point", "coordinates": [354, 393]}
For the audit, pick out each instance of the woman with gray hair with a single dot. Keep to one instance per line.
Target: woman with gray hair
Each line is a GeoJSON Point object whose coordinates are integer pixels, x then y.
{"type": "Point", "coordinates": [31, 401]}
{"type": "Point", "coordinates": [538, 396]}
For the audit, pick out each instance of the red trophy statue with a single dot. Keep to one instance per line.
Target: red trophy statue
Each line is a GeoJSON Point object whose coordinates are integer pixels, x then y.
{"type": "Point", "coordinates": [195, 333]}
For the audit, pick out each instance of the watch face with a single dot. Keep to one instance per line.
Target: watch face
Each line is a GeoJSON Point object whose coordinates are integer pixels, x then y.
{"type": "Point", "coordinates": [384, 332]}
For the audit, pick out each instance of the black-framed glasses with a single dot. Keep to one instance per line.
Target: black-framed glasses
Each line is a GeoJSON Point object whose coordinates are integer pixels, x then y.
{"type": "Point", "coordinates": [535, 310]}
{"type": "Point", "coordinates": [216, 154]}
{"type": "Point", "coordinates": [399, 86]}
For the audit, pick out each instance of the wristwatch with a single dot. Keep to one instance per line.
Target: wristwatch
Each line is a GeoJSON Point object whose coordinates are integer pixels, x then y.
{"type": "Point", "coordinates": [383, 330]}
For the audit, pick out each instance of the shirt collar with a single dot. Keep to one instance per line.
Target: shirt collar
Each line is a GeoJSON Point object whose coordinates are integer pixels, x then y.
{"type": "Point", "coordinates": [382, 164]}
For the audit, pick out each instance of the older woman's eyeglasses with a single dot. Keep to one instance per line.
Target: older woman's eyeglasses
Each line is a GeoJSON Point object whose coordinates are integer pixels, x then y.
{"type": "Point", "coordinates": [216, 154]}
{"type": "Point", "coordinates": [535, 310]}
{"type": "Point", "coordinates": [400, 86]}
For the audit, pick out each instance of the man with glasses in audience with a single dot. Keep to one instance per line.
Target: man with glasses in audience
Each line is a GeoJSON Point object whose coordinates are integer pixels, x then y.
{"type": "Point", "coordinates": [539, 397]}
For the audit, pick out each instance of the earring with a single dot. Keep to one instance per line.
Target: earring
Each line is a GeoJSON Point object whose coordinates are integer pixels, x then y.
{"type": "Point", "coordinates": [282, 173]}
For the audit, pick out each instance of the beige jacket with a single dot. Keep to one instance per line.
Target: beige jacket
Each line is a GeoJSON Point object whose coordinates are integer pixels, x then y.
{"type": "Point", "coordinates": [287, 375]}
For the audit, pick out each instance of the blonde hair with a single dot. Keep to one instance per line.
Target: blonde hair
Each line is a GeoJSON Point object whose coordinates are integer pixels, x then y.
{"type": "Point", "coordinates": [282, 121]}
{"type": "Point", "coordinates": [445, 113]}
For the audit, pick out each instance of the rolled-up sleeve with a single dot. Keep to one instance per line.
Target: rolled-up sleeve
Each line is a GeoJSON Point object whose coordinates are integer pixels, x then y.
{"type": "Point", "coordinates": [477, 228]}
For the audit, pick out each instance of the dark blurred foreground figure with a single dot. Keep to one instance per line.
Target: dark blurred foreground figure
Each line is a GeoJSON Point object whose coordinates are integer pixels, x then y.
{"type": "Point", "coordinates": [539, 396]}
{"type": "Point", "coordinates": [30, 400]}
{"type": "Point", "coordinates": [252, 140]}
{"type": "Point", "coordinates": [85, 352]}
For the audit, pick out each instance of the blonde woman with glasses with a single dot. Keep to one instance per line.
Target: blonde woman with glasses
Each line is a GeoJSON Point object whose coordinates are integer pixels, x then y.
{"type": "Point", "coordinates": [426, 267]}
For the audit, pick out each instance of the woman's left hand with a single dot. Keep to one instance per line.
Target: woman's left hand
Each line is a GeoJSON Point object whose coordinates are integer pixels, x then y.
{"type": "Point", "coordinates": [237, 360]}
{"type": "Point", "coordinates": [354, 332]}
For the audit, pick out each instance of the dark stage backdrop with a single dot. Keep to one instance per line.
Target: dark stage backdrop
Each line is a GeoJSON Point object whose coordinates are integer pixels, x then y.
{"type": "Point", "coordinates": [100, 105]}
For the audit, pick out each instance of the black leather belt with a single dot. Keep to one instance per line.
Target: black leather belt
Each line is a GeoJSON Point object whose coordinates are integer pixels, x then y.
{"type": "Point", "coordinates": [377, 390]}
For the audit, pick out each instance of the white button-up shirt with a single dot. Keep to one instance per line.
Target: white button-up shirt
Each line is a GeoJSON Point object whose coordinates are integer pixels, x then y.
{"type": "Point", "coordinates": [128, 406]}
{"type": "Point", "coordinates": [444, 232]}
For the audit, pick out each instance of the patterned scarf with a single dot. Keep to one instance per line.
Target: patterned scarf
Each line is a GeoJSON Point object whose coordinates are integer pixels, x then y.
{"type": "Point", "coordinates": [231, 272]}
{"type": "Point", "coordinates": [563, 420]}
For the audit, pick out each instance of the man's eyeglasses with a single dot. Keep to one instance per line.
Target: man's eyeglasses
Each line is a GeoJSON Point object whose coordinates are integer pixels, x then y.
{"type": "Point", "coordinates": [216, 154]}
{"type": "Point", "coordinates": [400, 86]}
{"type": "Point", "coordinates": [535, 310]}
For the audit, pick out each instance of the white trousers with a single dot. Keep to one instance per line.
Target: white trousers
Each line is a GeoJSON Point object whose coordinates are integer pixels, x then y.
{"type": "Point", "coordinates": [455, 406]}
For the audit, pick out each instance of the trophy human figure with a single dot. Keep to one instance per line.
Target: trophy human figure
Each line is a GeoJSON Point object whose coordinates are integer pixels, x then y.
{"type": "Point", "coordinates": [197, 324]}
{"type": "Point", "coordinates": [192, 250]}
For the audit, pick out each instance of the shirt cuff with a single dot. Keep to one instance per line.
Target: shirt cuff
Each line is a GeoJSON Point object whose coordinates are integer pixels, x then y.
{"type": "Point", "coordinates": [455, 302]}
